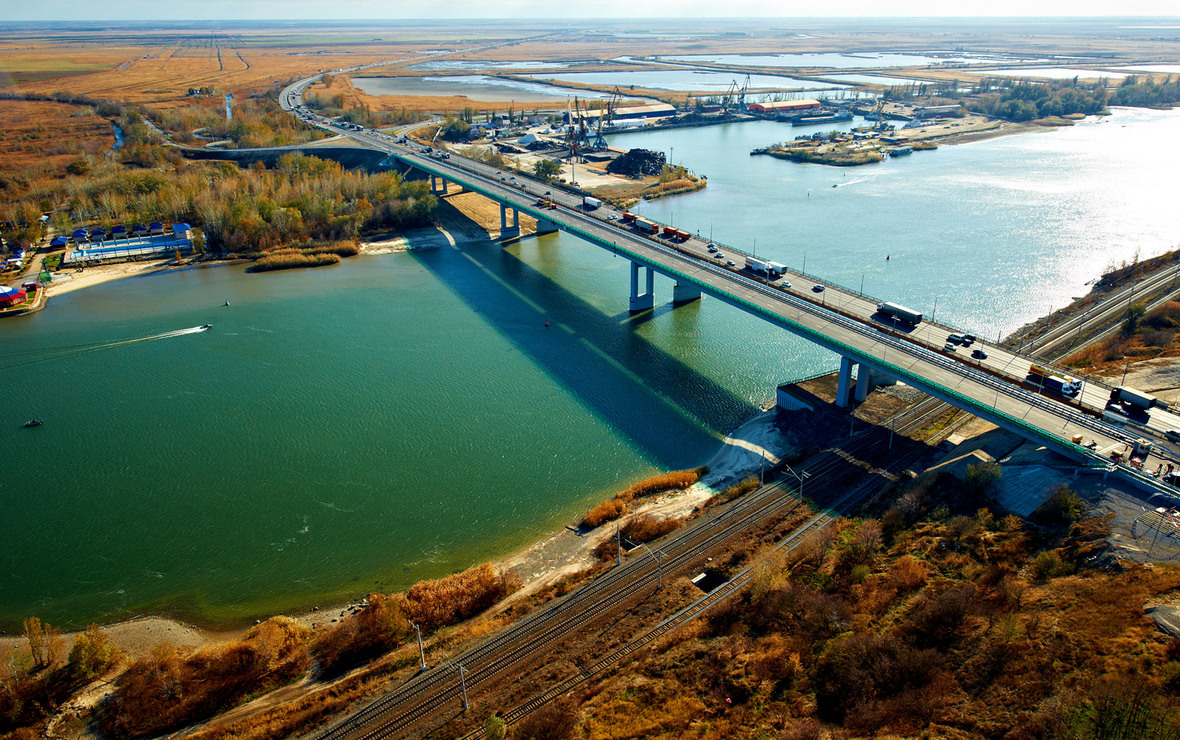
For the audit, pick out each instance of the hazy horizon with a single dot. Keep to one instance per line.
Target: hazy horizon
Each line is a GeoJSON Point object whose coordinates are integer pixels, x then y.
{"type": "Point", "coordinates": [605, 10]}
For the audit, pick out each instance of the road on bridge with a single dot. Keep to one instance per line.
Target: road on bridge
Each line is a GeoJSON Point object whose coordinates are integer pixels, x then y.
{"type": "Point", "coordinates": [834, 317]}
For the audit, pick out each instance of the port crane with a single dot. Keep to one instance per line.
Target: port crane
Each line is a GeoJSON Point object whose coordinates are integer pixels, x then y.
{"type": "Point", "coordinates": [735, 97]}
{"type": "Point", "coordinates": [606, 116]}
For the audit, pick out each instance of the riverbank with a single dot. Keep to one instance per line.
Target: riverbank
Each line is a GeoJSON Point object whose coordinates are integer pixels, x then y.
{"type": "Point", "coordinates": [556, 556]}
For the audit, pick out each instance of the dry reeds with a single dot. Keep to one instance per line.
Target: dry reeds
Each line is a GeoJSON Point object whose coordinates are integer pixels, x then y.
{"type": "Point", "coordinates": [613, 508]}
{"type": "Point", "coordinates": [169, 689]}
{"type": "Point", "coordinates": [286, 259]}
{"type": "Point", "coordinates": [449, 600]}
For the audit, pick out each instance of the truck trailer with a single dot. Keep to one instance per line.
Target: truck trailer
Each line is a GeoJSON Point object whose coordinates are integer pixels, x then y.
{"type": "Point", "coordinates": [1137, 398]}
{"type": "Point", "coordinates": [647, 227]}
{"type": "Point", "coordinates": [590, 204]}
{"type": "Point", "coordinates": [757, 266]}
{"type": "Point", "coordinates": [900, 312]}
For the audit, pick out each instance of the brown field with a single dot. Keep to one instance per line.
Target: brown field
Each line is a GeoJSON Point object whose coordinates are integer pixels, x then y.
{"type": "Point", "coordinates": [36, 133]}
{"type": "Point", "coordinates": [156, 66]}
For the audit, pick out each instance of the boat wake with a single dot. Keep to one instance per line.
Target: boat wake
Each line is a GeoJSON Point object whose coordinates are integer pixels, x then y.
{"type": "Point", "coordinates": [17, 359]}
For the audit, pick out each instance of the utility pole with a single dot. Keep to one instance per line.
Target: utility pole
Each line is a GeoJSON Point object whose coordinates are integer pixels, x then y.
{"type": "Point", "coordinates": [463, 688]}
{"type": "Point", "coordinates": [618, 544]}
{"type": "Point", "coordinates": [421, 654]}
{"type": "Point", "coordinates": [892, 424]}
{"type": "Point", "coordinates": [659, 569]}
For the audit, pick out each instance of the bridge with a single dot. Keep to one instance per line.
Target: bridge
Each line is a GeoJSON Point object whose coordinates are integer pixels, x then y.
{"type": "Point", "coordinates": [872, 349]}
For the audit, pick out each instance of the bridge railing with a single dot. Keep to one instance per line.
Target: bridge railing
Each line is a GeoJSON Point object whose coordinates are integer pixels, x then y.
{"type": "Point", "coordinates": [934, 357]}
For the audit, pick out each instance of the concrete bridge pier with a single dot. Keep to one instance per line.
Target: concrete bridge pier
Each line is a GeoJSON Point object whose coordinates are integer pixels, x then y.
{"type": "Point", "coordinates": [864, 382]}
{"type": "Point", "coordinates": [506, 231]}
{"type": "Point", "coordinates": [642, 301]}
{"type": "Point", "coordinates": [438, 185]}
{"type": "Point", "coordinates": [685, 293]}
{"type": "Point", "coordinates": [545, 226]}
{"type": "Point", "coordinates": [843, 381]}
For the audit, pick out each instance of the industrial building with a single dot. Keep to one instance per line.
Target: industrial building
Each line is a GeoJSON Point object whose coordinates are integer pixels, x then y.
{"type": "Point", "coordinates": [653, 110]}
{"type": "Point", "coordinates": [784, 106]}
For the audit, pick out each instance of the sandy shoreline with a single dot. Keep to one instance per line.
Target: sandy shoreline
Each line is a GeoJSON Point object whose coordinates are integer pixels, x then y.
{"type": "Point", "coordinates": [538, 565]}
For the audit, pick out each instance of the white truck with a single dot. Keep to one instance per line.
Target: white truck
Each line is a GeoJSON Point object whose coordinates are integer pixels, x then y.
{"type": "Point", "coordinates": [591, 204]}
{"type": "Point", "coordinates": [1137, 398]}
{"type": "Point", "coordinates": [758, 266]}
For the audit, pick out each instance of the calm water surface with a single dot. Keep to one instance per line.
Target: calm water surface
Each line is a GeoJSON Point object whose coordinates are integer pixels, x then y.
{"type": "Point", "coordinates": [399, 417]}
{"type": "Point", "coordinates": [482, 88]}
{"type": "Point", "coordinates": [684, 80]}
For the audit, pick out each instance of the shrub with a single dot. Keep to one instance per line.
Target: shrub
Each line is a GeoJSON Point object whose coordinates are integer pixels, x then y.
{"type": "Point", "coordinates": [607, 511]}
{"type": "Point", "coordinates": [739, 489]}
{"type": "Point", "coordinates": [374, 630]}
{"type": "Point", "coordinates": [641, 529]}
{"type": "Point", "coordinates": [444, 601]}
{"type": "Point", "coordinates": [554, 721]}
{"type": "Point", "coordinates": [167, 689]}
{"type": "Point", "coordinates": [1050, 565]}
{"type": "Point", "coordinates": [1063, 507]}
{"type": "Point", "coordinates": [93, 654]}
{"type": "Point", "coordinates": [676, 480]}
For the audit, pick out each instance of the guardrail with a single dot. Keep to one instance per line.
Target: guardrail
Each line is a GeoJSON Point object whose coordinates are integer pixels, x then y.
{"type": "Point", "coordinates": [1009, 390]}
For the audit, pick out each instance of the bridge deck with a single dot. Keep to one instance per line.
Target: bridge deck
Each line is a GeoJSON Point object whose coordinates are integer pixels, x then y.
{"type": "Point", "coordinates": [835, 318]}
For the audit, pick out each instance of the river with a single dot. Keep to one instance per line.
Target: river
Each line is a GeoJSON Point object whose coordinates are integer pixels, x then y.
{"type": "Point", "coordinates": [399, 417]}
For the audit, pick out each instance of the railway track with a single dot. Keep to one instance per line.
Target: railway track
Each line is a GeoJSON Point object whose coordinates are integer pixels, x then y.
{"type": "Point", "coordinates": [430, 691]}
{"type": "Point", "coordinates": [434, 689]}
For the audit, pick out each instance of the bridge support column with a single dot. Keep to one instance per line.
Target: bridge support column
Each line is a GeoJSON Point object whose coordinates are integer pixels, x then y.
{"type": "Point", "coordinates": [435, 187]}
{"type": "Point", "coordinates": [685, 293]}
{"type": "Point", "coordinates": [864, 382]}
{"type": "Point", "coordinates": [545, 226]}
{"type": "Point", "coordinates": [642, 301]}
{"type": "Point", "coordinates": [506, 231]}
{"type": "Point", "coordinates": [843, 380]}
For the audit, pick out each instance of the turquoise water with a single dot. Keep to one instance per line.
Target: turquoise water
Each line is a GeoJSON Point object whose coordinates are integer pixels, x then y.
{"type": "Point", "coordinates": [399, 417]}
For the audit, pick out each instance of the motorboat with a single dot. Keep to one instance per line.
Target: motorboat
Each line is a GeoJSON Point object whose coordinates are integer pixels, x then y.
{"type": "Point", "coordinates": [33, 423]}
{"type": "Point", "coordinates": [203, 327]}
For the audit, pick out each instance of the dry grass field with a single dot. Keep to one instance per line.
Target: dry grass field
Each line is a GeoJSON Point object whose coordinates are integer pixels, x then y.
{"type": "Point", "coordinates": [34, 133]}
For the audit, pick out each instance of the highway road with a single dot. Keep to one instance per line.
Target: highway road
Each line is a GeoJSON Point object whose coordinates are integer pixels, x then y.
{"type": "Point", "coordinates": [834, 317]}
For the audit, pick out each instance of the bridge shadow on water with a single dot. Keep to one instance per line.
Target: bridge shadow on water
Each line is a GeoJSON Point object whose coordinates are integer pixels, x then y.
{"type": "Point", "coordinates": [667, 409]}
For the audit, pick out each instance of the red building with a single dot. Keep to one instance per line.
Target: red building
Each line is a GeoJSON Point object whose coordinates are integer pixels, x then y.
{"type": "Point", "coordinates": [11, 296]}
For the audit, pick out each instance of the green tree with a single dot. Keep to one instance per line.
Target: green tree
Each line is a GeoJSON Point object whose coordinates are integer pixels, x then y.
{"type": "Point", "coordinates": [979, 479]}
{"type": "Point", "coordinates": [93, 654]}
{"type": "Point", "coordinates": [455, 129]}
{"type": "Point", "coordinates": [546, 169]}
{"type": "Point", "coordinates": [495, 728]}
{"type": "Point", "coordinates": [1135, 314]}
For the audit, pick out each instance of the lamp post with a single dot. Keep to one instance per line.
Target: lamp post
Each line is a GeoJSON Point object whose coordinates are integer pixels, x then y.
{"type": "Point", "coordinates": [421, 653]}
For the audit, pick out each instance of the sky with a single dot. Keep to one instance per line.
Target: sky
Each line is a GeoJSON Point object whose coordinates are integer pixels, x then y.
{"type": "Point", "coordinates": [600, 9]}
